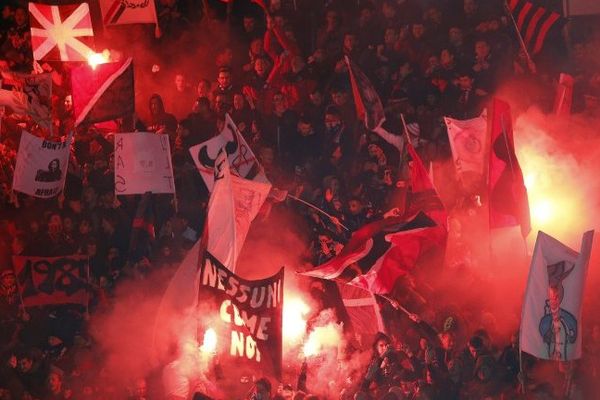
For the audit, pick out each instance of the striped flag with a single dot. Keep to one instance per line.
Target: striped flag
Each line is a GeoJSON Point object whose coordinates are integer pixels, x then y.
{"type": "Point", "coordinates": [535, 19]}
{"type": "Point", "coordinates": [61, 33]}
{"type": "Point", "coordinates": [369, 108]}
{"type": "Point", "coordinates": [119, 12]}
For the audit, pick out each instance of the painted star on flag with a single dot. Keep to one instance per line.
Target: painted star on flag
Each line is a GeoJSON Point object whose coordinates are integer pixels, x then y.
{"type": "Point", "coordinates": [62, 33]}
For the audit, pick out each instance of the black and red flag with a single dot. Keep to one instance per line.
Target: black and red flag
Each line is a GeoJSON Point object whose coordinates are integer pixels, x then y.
{"type": "Point", "coordinates": [535, 19]}
{"type": "Point", "coordinates": [368, 105]}
{"type": "Point", "coordinates": [142, 233]}
{"type": "Point", "coordinates": [104, 93]}
{"type": "Point", "coordinates": [507, 193]}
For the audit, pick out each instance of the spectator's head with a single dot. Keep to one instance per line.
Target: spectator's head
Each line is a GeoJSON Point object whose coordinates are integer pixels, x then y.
{"type": "Point", "coordinates": [239, 102]}
{"type": "Point", "coordinates": [203, 88]}
{"type": "Point", "coordinates": [201, 106]}
{"type": "Point", "coordinates": [388, 9]}
{"type": "Point", "coordinates": [140, 388]}
{"type": "Point", "coordinates": [55, 223]}
{"type": "Point", "coordinates": [339, 96]}
{"type": "Point", "coordinates": [316, 96]}
{"type": "Point", "coordinates": [225, 58]}
{"type": "Point", "coordinates": [417, 30]}
{"type": "Point", "coordinates": [261, 66]}
{"type": "Point", "coordinates": [381, 344]}
{"type": "Point", "coordinates": [68, 103]}
{"type": "Point", "coordinates": [224, 77]}
{"type": "Point", "coordinates": [465, 79]}
{"type": "Point", "coordinates": [21, 16]}
{"type": "Point", "coordinates": [279, 103]}
{"type": "Point", "coordinates": [482, 49]}
{"type": "Point", "coordinates": [350, 41]}
{"type": "Point", "coordinates": [408, 382]}
{"type": "Point", "coordinates": [390, 36]}
{"type": "Point", "coordinates": [355, 206]}
{"type": "Point", "coordinates": [256, 47]}
{"type": "Point", "coordinates": [433, 15]}
{"type": "Point", "coordinates": [332, 18]}
{"type": "Point", "coordinates": [455, 36]}
{"type": "Point", "coordinates": [447, 58]}
{"type": "Point", "coordinates": [470, 7]}
{"type": "Point", "coordinates": [156, 105]}
{"type": "Point", "coordinates": [263, 389]}
{"type": "Point", "coordinates": [366, 11]}
{"type": "Point", "coordinates": [85, 226]}
{"type": "Point", "coordinates": [55, 381]}
{"type": "Point", "coordinates": [179, 82]}
{"type": "Point", "coordinates": [222, 104]}
{"type": "Point", "coordinates": [7, 277]}
{"type": "Point", "coordinates": [333, 119]}
{"type": "Point", "coordinates": [249, 23]}
{"type": "Point", "coordinates": [297, 64]}
{"type": "Point", "coordinates": [305, 127]}
{"type": "Point", "coordinates": [475, 346]}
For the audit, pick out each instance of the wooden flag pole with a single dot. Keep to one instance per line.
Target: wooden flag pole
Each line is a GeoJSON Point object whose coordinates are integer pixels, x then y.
{"type": "Point", "coordinates": [331, 217]}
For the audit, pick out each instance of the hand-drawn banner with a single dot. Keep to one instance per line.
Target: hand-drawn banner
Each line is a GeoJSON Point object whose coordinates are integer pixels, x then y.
{"type": "Point", "coordinates": [143, 163]}
{"type": "Point", "coordinates": [250, 316]}
{"type": "Point", "coordinates": [52, 280]}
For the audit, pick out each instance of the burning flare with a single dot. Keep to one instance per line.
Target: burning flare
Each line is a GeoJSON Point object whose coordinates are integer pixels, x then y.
{"type": "Point", "coordinates": [209, 345]}
{"type": "Point", "coordinates": [295, 311]}
{"type": "Point", "coordinates": [94, 59]}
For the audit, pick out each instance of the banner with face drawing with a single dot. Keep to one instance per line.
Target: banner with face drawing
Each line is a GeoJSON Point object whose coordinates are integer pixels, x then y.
{"type": "Point", "coordinates": [41, 166]}
{"type": "Point", "coordinates": [143, 163]}
{"type": "Point", "coordinates": [242, 161]}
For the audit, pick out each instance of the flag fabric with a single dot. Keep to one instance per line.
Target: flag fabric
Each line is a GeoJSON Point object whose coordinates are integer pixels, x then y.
{"type": "Point", "coordinates": [233, 205]}
{"type": "Point", "coordinates": [535, 19]}
{"type": "Point", "coordinates": [363, 310]}
{"type": "Point", "coordinates": [29, 94]}
{"type": "Point", "coordinates": [61, 33]}
{"type": "Point", "coordinates": [468, 143]}
{"type": "Point", "coordinates": [508, 202]}
{"type": "Point", "coordinates": [142, 233]}
{"type": "Point", "coordinates": [564, 95]}
{"type": "Point", "coordinates": [143, 163]}
{"type": "Point", "coordinates": [249, 329]}
{"type": "Point", "coordinates": [41, 166]}
{"type": "Point", "coordinates": [103, 93]}
{"type": "Point", "coordinates": [379, 253]}
{"type": "Point", "coordinates": [117, 12]}
{"type": "Point", "coordinates": [422, 196]}
{"type": "Point", "coordinates": [242, 161]}
{"type": "Point", "coordinates": [52, 280]}
{"type": "Point", "coordinates": [368, 105]}
{"type": "Point", "coordinates": [551, 317]}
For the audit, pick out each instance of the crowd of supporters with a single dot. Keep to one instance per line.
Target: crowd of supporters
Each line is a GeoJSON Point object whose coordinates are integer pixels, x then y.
{"type": "Point", "coordinates": [281, 74]}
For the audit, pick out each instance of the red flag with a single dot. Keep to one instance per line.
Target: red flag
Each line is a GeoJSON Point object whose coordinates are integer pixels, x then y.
{"type": "Point", "coordinates": [61, 33]}
{"type": "Point", "coordinates": [379, 253]}
{"type": "Point", "coordinates": [363, 310]}
{"type": "Point", "coordinates": [369, 108]}
{"type": "Point", "coordinates": [508, 196]}
{"type": "Point", "coordinates": [564, 95]}
{"type": "Point", "coordinates": [103, 93]}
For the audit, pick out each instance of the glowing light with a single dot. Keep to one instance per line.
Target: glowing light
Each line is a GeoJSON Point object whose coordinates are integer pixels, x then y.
{"type": "Point", "coordinates": [295, 311]}
{"type": "Point", "coordinates": [209, 345]}
{"type": "Point", "coordinates": [95, 59]}
{"type": "Point", "coordinates": [321, 338]}
{"type": "Point", "coordinates": [542, 212]}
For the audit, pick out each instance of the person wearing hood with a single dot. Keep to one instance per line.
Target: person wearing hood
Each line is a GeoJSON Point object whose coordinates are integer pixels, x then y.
{"type": "Point", "coordinates": [161, 122]}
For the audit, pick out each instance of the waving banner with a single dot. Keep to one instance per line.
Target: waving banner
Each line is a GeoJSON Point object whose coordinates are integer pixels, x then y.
{"type": "Point", "coordinates": [242, 161]}
{"type": "Point", "coordinates": [52, 280]}
{"type": "Point", "coordinates": [41, 166]}
{"type": "Point", "coordinates": [249, 326]}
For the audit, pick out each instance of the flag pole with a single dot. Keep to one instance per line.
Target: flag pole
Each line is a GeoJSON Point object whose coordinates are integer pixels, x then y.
{"type": "Point", "coordinates": [521, 374]}
{"type": "Point", "coordinates": [405, 128]}
{"type": "Point", "coordinates": [521, 42]}
{"type": "Point", "coordinates": [331, 217]}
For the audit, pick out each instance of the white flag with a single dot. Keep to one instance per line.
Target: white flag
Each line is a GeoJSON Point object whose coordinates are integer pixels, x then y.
{"type": "Point", "coordinates": [551, 317]}
{"type": "Point", "coordinates": [116, 12]}
{"type": "Point", "coordinates": [143, 163]}
{"type": "Point", "coordinates": [234, 203]}
{"type": "Point", "coordinates": [41, 166]}
{"type": "Point", "coordinates": [242, 161]}
{"type": "Point", "coordinates": [467, 141]}
{"type": "Point", "coordinates": [30, 95]}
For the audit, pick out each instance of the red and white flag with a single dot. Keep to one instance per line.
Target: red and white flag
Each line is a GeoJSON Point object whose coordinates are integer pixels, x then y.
{"type": "Point", "coordinates": [233, 205]}
{"type": "Point", "coordinates": [104, 93]}
{"type": "Point", "coordinates": [242, 161]}
{"type": "Point", "coordinates": [30, 94]}
{"type": "Point", "coordinates": [363, 310]}
{"type": "Point", "coordinates": [551, 317]}
{"type": "Point", "coordinates": [468, 143]}
{"type": "Point", "coordinates": [118, 12]}
{"type": "Point", "coordinates": [379, 253]}
{"type": "Point", "coordinates": [61, 33]}
{"type": "Point", "coordinates": [564, 95]}
{"type": "Point", "coordinates": [508, 202]}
